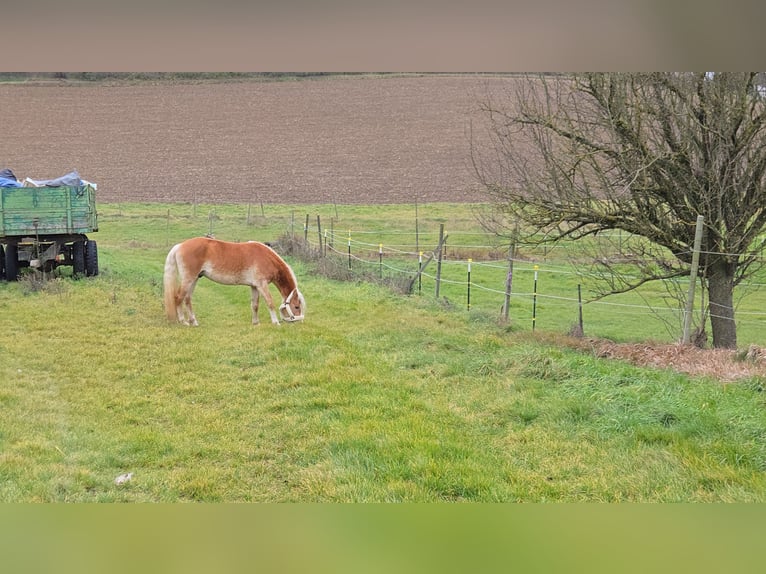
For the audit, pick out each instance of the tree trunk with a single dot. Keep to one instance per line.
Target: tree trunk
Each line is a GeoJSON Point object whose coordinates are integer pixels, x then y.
{"type": "Point", "coordinates": [721, 296]}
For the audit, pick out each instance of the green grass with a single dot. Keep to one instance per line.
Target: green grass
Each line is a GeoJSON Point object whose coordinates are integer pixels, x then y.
{"type": "Point", "coordinates": [375, 397]}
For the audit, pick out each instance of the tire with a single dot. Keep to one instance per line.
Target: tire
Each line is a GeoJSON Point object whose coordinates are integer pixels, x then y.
{"type": "Point", "coordinates": [78, 258]}
{"type": "Point", "coordinates": [91, 258]}
{"type": "Point", "coordinates": [11, 262]}
{"type": "Point", "coordinates": [2, 263]}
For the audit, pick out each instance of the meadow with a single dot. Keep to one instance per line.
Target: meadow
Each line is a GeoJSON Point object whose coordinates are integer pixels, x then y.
{"type": "Point", "coordinates": [375, 397]}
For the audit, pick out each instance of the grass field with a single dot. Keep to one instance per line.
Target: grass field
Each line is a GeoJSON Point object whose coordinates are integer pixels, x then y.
{"type": "Point", "coordinates": [375, 397]}
{"type": "Point", "coordinates": [649, 314]}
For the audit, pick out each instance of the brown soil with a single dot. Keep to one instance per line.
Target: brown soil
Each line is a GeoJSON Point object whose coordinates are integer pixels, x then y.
{"type": "Point", "coordinates": [339, 139]}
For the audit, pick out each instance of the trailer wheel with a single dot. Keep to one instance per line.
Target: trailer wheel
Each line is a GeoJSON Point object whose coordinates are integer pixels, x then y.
{"type": "Point", "coordinates": [78, 258]}
{"type": "Point", "coordinates": [91, 258]}
{"type": "Point", "coordinates": [11, 262]}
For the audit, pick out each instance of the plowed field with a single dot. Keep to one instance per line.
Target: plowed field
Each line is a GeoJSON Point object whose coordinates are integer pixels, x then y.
{"type": "Point", "coordinates": [342, 139]}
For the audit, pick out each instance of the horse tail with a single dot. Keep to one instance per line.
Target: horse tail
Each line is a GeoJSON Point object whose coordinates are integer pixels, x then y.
{"type": "Point", "coordinates": [169, 284]}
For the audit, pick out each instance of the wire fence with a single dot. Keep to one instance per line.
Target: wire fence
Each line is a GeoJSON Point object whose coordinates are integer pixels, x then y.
{"type": "Point", "coordinates": [550, 289]}
{"type": "Point", "coordinates": [549, 286]}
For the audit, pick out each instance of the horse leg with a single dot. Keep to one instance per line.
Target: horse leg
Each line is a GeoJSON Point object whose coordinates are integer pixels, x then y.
{"type": "Point", "coordinates": [254, 300]}
{"type": "Point", "coordinates": [264, 289]}
{"type": "Point", "coordinates": [180, 296]}
{"type": "Point", "coordinates": [185, 295]}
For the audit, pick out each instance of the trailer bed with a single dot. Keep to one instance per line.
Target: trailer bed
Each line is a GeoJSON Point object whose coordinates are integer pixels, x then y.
{"type": "Point", "coordinates": [35, 211]}
{"type": "Point", "coordinates": [44, 228]}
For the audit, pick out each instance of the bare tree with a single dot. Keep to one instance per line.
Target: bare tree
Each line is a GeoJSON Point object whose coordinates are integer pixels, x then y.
{"type": "Point", "coordinates": [575, 155]}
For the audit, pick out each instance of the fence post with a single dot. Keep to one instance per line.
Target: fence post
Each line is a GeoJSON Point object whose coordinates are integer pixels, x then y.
{"type": "Point", "coordinates": [380, 259]}
{"type": "Point", "coordinates": [469, 283]}
{"type": "Point", "coordinates": [319, 234]}
{"type": "Point", "coordinates": [692, 280]}
{"type": "Point", "coordinates": [534, 299]}
{"type": "Point", "coordinates": [439, 260]}
{"type": "Point", "coordinates": [306, 229]}
{"type": "Point", "coordinates": [417, 232]}
{"type": "Point", "coordinates": [420, 271]}
{"type": "Point", "coordinates": [349, 250]}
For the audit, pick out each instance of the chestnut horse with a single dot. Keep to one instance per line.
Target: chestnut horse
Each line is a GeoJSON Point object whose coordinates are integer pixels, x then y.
{"type": "Point", "coordinates": [252, 263]}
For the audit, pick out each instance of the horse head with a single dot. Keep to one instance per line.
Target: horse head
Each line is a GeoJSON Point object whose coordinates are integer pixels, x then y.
{"type": "Point", "coordinates": [294, 307]}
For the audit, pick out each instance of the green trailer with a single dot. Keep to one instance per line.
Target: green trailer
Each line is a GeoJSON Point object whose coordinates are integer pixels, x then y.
{"type": "Point", "coordinates": [45, 227]}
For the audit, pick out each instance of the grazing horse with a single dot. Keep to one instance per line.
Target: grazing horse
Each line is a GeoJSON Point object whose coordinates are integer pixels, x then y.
{"type": "Point", "coordinates": [252, 263]}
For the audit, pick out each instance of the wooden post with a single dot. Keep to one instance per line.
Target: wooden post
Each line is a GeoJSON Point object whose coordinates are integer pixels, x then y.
{"type": "Point", "coordinates": [417, 235]}
{"type": "Point", "coordinates": [422, 266]}
{"type": "Point", "coordinates": [319, 234]}
{"type": "Point", "coordinates": [418, 276]}
{"type": "Point", "coordinates": [349, 250]}
{"type": "Point", "coordinates": [380, 259]}
{"type": "Point", "coordinates": [420, 271]}
{"type": "Point", "coordinates": [692, 280]}
{"type": "Point", "coordinates": [469, 285]}
{"type": "Point", "coordinates": [306, 229]}
{"type": "Point", "coordinates": [439, 260]}
{"type": "Point", "coordinates": [509, 278]}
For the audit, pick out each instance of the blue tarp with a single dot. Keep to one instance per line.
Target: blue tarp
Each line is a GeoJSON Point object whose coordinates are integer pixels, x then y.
{"type": "Point", "coordinates": [5, 182]}
{"type": "Point", "coordinates": [72, 178]}
{"type": "Point", "coordinates": [8, 179]}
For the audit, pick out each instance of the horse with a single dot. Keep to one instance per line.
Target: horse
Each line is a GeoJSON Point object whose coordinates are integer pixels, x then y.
{"type": "Point", "coordinates": [251, 263]}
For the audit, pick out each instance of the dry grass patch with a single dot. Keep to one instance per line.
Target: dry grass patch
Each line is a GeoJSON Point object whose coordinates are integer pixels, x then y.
{"type": "Point", "coordinates": [725, 365]}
